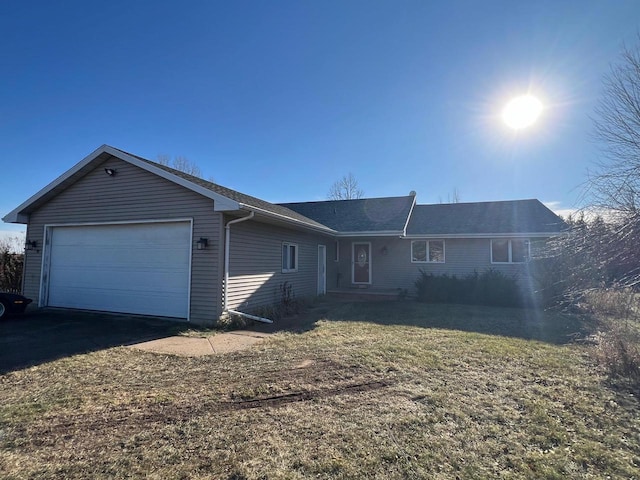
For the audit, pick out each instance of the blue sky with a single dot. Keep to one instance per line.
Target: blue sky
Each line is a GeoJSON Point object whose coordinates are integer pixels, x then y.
{"type": "Point", "coordinates": [279, 99]}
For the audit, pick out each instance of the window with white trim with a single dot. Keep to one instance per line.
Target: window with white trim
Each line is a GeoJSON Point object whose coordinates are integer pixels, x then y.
{"type": "Point", "coordinates": [427, 251]}
{"type": "Point", "coordinates": [289, 257]}
{"type": "Point", "coordinates": [505, 250]}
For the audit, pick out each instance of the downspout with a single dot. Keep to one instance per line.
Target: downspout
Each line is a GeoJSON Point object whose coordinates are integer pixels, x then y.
{"type": "Point", "coordinates": [227, 243]}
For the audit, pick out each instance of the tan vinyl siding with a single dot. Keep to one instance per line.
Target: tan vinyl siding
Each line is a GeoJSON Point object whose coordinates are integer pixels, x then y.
{"type": "Point", "coordinates": [135, 194]}
{"type": "Point", "coordinates": [255, 264]}
{"type": "Point", "coordinates": [395, 269]}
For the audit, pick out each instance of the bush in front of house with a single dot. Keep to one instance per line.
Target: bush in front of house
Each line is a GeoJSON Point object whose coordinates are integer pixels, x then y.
{"type": "Point", "coordinates": [11, 266]}
{"type": "Point", "coordinates": [491, 288]}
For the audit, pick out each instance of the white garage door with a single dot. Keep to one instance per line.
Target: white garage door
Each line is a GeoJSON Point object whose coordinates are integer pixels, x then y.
{"type": "Point", "coordinates": [131, 268]}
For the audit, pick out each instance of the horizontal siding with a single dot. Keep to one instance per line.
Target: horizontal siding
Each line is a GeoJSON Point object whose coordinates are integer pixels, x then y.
{"type": "Point", "coordinates": [255, 264]}
{"type": "Point", "coordinates": [395, 269]}
{"type": "Point", "coordinates": [134, 194]}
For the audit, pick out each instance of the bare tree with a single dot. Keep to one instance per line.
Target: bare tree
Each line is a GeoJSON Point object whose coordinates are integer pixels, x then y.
{"type": "Point", "coordinates": [346, 188]}
{"type": "Point", "coordinates": [614, 184]}
{"type": "Point", "coordinates": [602, 252]}
{"type": "Point", "coordinates": [180, 163]}
{"type": "Point", "coordinates": [453, 197]}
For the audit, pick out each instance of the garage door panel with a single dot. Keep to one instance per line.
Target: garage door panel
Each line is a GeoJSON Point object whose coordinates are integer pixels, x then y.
{"type": "Point", "coordinates": [134, 268]}
{"type": "Point", "coordinates": [121, 301]}
{"type": "Point", "coordinates": [108, 279]}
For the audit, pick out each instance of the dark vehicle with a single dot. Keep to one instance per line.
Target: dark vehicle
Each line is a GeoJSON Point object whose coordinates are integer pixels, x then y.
{"type": "Point", "coordinates": [12, 304]}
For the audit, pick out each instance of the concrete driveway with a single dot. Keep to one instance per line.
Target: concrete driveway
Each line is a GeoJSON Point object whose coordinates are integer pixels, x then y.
{"type": "Point", "coordinates": [44, 335]}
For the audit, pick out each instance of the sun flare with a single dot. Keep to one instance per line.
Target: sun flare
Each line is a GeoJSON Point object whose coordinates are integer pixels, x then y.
{"type": "Point", "coordinates": [522, 112]}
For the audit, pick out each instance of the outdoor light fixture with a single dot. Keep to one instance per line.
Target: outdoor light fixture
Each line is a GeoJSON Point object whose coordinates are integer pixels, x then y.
{"type": "Point", "coordinates": [30, 245]}
{"type": "Point", "coordinates": [110, 171]}
{"type": "Point", "coordinates": [202, 243]}
{"type": "Point", "coordinates": [384, 250]}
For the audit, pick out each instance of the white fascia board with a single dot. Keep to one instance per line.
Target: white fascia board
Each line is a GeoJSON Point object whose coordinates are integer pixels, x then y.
{"type": "Point", "coordinates": [14, 216]}
{"type": "Point", "coordinates": [484, 235]}
{"type": "Point", "coordinates": [221, 203]}
{"type": "Point", "coordinates": [284, 218]}
{"type": "Point", "coordinates": [381, 233]}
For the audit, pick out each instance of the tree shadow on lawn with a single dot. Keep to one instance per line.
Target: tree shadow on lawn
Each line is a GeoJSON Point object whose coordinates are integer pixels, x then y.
{"type": "Point", "coordinates": [45, 335]}
{"type": "Point", "coordinates": [529, 324]}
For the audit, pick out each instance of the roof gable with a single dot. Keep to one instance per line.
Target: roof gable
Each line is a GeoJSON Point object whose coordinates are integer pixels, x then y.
{"type": "Point", "coordinates": [224, 198]}
{"type": "Point", "coordinates": [484, 218]}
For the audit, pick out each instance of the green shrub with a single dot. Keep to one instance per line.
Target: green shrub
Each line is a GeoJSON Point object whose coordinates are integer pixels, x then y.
{"type": "Point", "coordinates": [488, 288]}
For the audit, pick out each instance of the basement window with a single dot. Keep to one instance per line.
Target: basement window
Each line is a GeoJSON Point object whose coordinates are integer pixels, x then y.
{"type": "Point", "coordinates": [289, 257]}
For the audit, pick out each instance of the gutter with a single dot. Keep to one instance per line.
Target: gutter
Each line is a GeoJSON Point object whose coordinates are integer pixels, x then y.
{"type": "Point", "coordinates": [381, 233]}
{"type": "Point", "coordinates": [484, 235]}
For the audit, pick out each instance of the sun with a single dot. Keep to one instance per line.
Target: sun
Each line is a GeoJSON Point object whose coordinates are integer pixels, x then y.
{"type": "Point", "coordinates": [522, 112]}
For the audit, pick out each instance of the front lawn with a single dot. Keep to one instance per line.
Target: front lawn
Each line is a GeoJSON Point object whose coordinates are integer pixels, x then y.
{"type": "Point", "coordinates": [385, 390]}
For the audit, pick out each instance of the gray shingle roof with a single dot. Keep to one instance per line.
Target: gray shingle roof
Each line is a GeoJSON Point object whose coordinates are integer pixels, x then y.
{"type": "Point", "coordinates": [236, 196]}
{"type": "Point", "coordinates": [388, 214]}
{"type": "Point", "coordinates": [517, 216]}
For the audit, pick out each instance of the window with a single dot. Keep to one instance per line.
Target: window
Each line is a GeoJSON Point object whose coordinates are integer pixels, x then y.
{"type": "Point", "coordinates": [427, 251]}
{"type": "Point", "coordinates": [289, 257]}
{"type": "Point", "coordinates": [337, 252]}
{"type": "Point", "coordinates": [509, 251]}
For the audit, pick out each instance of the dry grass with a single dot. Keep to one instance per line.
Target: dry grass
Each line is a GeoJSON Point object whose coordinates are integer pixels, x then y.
{"type": "Point", "coordinates": [394, 398]}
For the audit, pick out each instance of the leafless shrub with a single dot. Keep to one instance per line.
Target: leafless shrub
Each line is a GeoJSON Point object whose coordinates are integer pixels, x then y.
{"type": "Point", "coordinates": [594, 255]}
{"type": "Point", "coordinates": [618, 350]}
{"type": "Point", "coordinates": [623, 304]}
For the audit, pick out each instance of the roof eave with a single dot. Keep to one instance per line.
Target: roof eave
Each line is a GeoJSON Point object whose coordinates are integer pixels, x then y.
{"type": "Point", "coordinates": [484, 235]}
{"type": "Point", "coordinates": [381, 233]}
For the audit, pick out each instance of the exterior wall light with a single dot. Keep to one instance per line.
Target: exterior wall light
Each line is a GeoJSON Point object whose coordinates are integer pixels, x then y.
{"type": "Point", "coordinates": [110, 171]}
{"type": "Point", "coordinates": [30, 245]}
{"type": "Point", "coordinates": [202, 243]}
{"type": "Point", "coordinates": [384, 250]}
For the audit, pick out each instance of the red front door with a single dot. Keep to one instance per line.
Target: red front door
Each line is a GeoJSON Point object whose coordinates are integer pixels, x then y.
{"type": "Point", "coordinates": [361, 259]}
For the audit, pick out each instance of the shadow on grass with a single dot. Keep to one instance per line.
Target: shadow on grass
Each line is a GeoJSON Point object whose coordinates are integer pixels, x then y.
{"type": "Point", "coordinates": [529, 324]}
{"type": "Point", "coordinates": [44, 335]}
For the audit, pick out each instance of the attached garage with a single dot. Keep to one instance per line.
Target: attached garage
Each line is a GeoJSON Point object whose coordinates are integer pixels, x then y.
{"type": "Point", "coordinates": [119, 233]}
{"type": "Point", "coordinates": [140, 268]}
